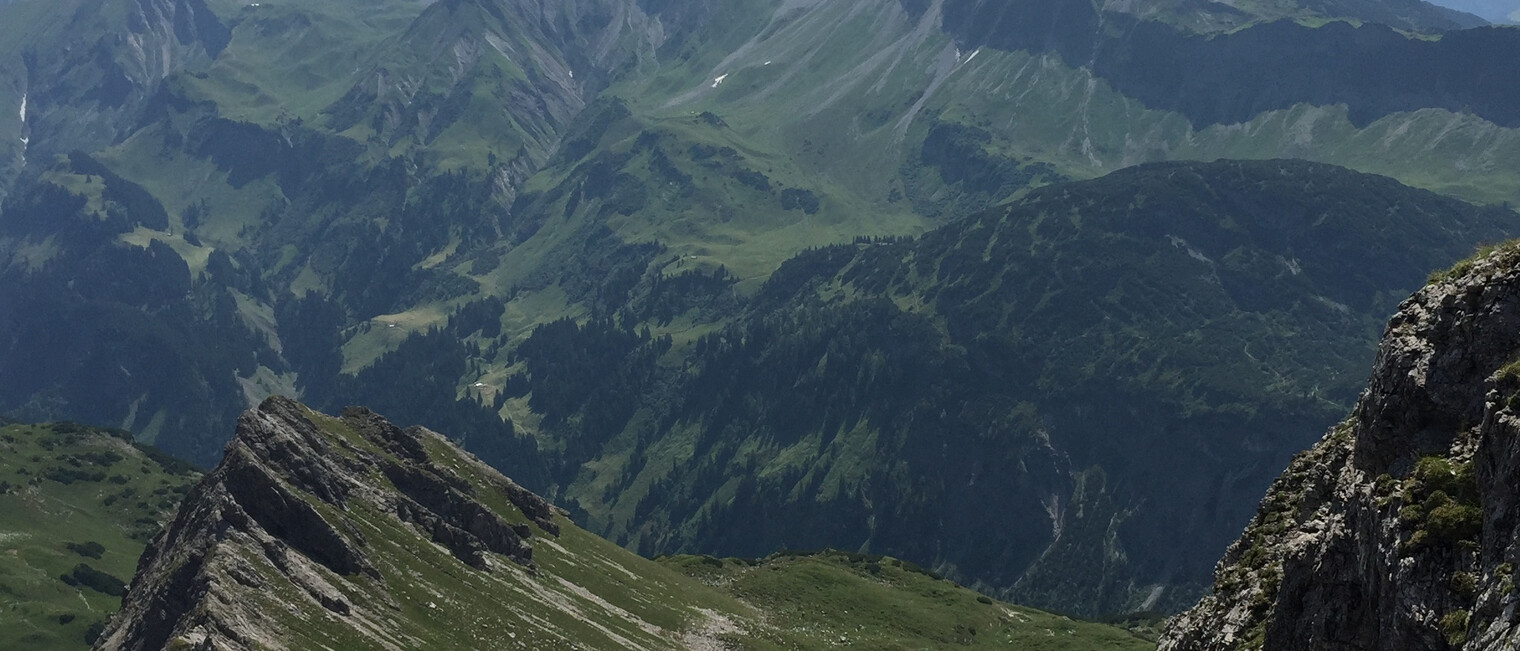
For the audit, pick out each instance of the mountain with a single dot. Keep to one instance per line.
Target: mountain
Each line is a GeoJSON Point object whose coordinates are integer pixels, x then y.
{"type": "Point", "coordinates": [1411, 15]}
{"type": "Point", "coordinates": [77, 506]}
{"type": "Point", "coordinates": [492, 143]}
{"type": "Point", "coordinates": [1495, 11]}
{"type": "Point", "coordinates": [1397, 530]}
{"type": "Point", "coordinates": [78, 71]}
{"type": "Point", "coordinates": [1116, 368]}
{"type": "Point", "coordinates": [427, 206]}
{"type": "Point", "coordinates": [348, 532]}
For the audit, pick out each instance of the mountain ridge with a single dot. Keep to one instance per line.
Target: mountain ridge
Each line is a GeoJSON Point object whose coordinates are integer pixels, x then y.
{"type": "Point", "coordinates": [349, 532]}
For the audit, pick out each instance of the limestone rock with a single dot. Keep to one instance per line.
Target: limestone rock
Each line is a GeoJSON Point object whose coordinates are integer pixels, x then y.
{"type": "Point", "coordinates": [277, 511]}
{"type": "Point", "coordinates": [1399, 529]}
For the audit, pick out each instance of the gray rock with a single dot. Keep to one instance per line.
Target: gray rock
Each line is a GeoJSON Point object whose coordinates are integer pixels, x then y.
{"type": "Point", "coordinates": [1399, 529]}
{"type": "Point", "coordinates": [277, 510]}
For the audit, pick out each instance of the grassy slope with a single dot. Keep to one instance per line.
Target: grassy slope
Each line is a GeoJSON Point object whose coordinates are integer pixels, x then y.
{"type": "Point", "coordinates": [39, 517]}
{"type": "Point", "coordinates": [835, 599]}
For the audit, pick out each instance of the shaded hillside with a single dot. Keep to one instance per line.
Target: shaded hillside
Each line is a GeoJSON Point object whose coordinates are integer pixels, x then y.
{"type": "Point", "coordinates": [1215, 79]}
{"type": "Point", "coordinates": [205, 227]}
{"type": "Point", "coordinates": [1115, 368]}
{"type": "Point", "coordinates": [337, 176]}
{"type": "Point", "coordinates": [1397, 530]}
{"type": "Point", "coordinates": [1497, 11]}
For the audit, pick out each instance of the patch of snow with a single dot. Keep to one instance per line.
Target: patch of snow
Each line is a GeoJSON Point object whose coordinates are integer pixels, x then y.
{"type": "Point", "coordinates": [719, 79]}
{"type": "Point", "coordinates": [1193, 253]}
{"type": "Point", "coordinates": [973, 56]}
{"type": "Point", "coordinates": [767, 63]}
{"type": "Point", "coordinates": [1338, 307]}
{"type": "Point", "coordinates": [1292, 265]}
{"type": "Point", "coordinates": [23, 108]}
{"type": "Point", "coordinates": [572, 73]}
{"type": "Point", "coordinates": [1153, 597]}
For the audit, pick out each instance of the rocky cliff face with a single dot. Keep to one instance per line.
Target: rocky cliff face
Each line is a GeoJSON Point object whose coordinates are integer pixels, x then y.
{"type": "Point", "coordinates": [1400, 528]}
{"type": "Point", "coordinates": [284, 509]}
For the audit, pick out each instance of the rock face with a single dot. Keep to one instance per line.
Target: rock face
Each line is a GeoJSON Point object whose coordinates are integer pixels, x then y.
{"type": "Point", "coordinates": [1400, 528]}
{"type": "Point", "coordinates": [281, 510]}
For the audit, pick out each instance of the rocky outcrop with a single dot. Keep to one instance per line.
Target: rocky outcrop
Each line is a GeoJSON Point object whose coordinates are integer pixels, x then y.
{"type": "Point", "coordinates": [282, 509]}
{"type": "Point", "coordinates": [1400, 528]}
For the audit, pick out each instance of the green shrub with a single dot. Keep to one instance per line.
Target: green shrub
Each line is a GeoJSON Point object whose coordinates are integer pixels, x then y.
{"type": "Point", "coordinates": [1441, 504]}
{"type": "Point", "coordinates": [94, 631]}
{"type": "Point", "coordinates": [1466, 264]}
{"type": "Point", "coordinates": [71, 475]}
{"type": "Point", "coordinates": [1454, 626]}
{"type": "Point", "coordinates": [1464, 584]}
{"type": "Point", "coordinates": [1450, 523]}
{"type": "Point", "coordinates": [90, 549]}
{"type": "Point", "coordinates": [89, 577]}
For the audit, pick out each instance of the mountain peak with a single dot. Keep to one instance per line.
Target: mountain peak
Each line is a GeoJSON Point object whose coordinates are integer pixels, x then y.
{"type": "Point", "coordinates": [283, 508]}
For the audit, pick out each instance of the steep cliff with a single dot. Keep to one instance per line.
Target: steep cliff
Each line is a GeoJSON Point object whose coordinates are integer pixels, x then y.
{"type": "Point", "coordinates": [1398, 530]}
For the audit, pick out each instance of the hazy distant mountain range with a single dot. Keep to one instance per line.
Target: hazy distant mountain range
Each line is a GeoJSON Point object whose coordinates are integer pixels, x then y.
{"type": "Point", "coordinates": [1496, 11]}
